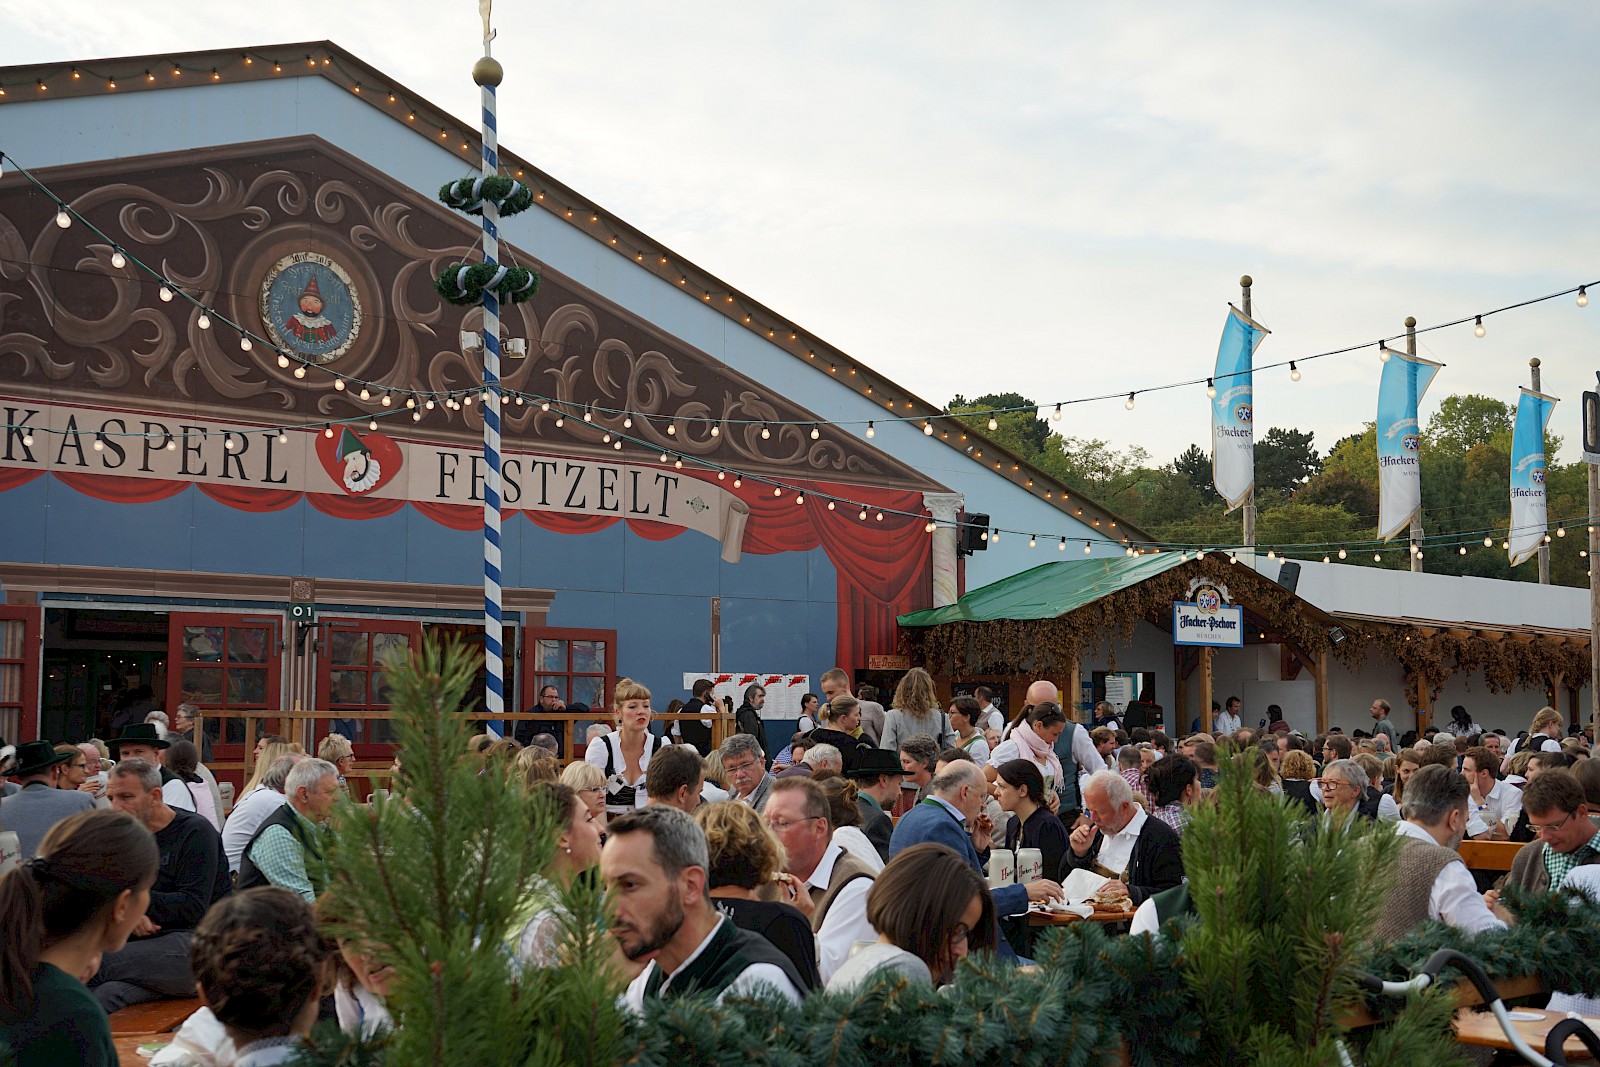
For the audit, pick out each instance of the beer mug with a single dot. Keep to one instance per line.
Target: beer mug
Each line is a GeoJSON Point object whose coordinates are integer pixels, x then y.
{"type": "Point", "coordinates": [1002, 867]}
{"type": "Point", "coordinates": [1030, 865]}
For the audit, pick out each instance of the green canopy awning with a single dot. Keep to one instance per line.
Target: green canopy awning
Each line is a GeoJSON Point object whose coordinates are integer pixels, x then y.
{"type": "Point", "coordinates": [1048, 591]}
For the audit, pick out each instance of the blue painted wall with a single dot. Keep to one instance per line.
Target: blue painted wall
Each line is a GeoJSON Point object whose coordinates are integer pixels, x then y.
{"type": "Point", "coordinates": [778, 612]}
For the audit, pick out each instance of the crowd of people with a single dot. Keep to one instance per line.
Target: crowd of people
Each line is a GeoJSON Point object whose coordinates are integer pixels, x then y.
{"type": "Point", "coordinates": [863, 847]}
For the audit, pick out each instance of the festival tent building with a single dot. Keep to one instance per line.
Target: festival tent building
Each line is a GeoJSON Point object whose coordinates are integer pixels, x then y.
{"type": "Point", "coordinates": [1321, 641]}
{"type": "Point", "coordinates": [242, 456]}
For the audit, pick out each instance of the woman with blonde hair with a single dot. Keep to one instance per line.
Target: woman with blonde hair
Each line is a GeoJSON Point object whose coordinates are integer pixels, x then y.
{"type": "Point", "coordinates": [589, 782]}
{"type": "Point", "coordinates": [1544, 735]}
{"type": "Point", "coordinates": [915, 710]}
{"type": "Point", "coordinates": [844, 818]}
{"type": "Point", "coordinates": [536, 764]}
{"type": "Point", "coordinates": [1297, 769]}
{"type": "Point", "coordinates": [269, 753]}
{"type": "Point", "coordinates": [745, 857]}
{"type": "Point", "coordinates": [624, 754]}
{"type": "Point", "coordinates": [337, 750]}
{"type": "Point", "coordinates": [1406, 763]}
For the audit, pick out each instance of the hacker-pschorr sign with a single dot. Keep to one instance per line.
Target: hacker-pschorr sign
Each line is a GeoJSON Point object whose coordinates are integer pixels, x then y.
{"type": "Point", "coordinates": [1207, 618]}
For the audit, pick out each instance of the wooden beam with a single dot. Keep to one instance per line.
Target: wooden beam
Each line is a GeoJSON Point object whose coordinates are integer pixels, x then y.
{"type": "Point", "coordinates": [1322, 691]}
{"type": "Point", "coordinates": [1205, 692]}
{"type": "Point", "coordinates": [1074, 694]}
{"type": "Point", "coordinates": [1424, 702]}
{"type": "Point", "coordinates": [1180, 687]}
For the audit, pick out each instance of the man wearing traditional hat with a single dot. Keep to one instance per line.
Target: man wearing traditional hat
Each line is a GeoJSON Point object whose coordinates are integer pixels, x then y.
{"type": "Point", "coordinates": [877, 775]}
{"type": "Point", "coordinates": [308, 325]}
{"type": "Point", "coordinates": [39, 805]}
{"type": "Point", "coordinates": [361, 470]}
{"type": "Point", "coordinates": [141, 740]}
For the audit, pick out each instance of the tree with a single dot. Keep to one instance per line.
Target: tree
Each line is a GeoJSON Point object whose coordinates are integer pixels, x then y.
{"type": "Point", "coordinates": [1021, 431]}
{"type": "Point", "coordinates": [1195, 467]}
{"type": "Point", "coordinates": [1464, 420]}
{"type": "Point", "coordinates": [1284, 460]}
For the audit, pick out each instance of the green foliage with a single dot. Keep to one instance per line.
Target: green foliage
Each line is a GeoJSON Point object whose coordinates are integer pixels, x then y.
{"type": "Point", "coordinates": [438, 874]}
{"type": "Point", "coordinates": [1284, 460]}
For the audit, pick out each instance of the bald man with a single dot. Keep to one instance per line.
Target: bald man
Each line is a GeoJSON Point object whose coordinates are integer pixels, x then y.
{"type": "Point", "coordinates": [1074, 748]}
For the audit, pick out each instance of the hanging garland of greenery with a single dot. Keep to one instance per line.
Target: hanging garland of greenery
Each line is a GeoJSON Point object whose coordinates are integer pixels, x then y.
{"type": "Point", "coordinates": [469, 194]}
{"type": "Point", "coordinates": [466, 283]}
{"type": "Point", "coordinates": [1507, 664]}
{"type": "Point", "coordinates": [1049, 646]}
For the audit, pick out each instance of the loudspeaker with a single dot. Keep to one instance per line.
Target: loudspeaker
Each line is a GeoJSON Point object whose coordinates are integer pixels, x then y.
{"type": "Point", "coordinates": [1289, 575]}
{"type": "Point", "coordinates": [970, 537]}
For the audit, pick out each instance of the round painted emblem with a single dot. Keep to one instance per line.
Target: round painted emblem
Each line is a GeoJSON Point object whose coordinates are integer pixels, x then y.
{"type": "Point", "coordinates": [310, 306]}
{"type": "Point", "coordinates": [1207, 599]}
{"type": "Point", "coordinates": [1243, 413]}
{"type": "Point", "coordinates": [1537, 476]}
{"type": "Point", "coordinates": [1410, 442]}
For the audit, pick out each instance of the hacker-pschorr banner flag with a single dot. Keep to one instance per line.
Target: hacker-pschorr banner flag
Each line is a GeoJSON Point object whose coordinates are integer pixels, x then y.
{"type": "Point", "coordinates": [1233, 454]}
{"type": "Point", "coordinates": [1528, 504]}
{"type": "Point", "coordinates": [1405, 379]}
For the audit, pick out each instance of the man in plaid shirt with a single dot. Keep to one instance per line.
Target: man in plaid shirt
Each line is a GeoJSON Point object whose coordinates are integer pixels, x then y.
{"type": "Point", "coordinates": [1564, 835]}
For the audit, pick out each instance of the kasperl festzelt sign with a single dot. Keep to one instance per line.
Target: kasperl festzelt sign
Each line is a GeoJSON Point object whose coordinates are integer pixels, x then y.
{"type": "Point", "coordinates": [1207, 621]}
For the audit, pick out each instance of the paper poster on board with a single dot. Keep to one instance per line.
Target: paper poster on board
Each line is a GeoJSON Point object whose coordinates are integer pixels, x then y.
{"type": "Point", "coordinates": [784, 691]}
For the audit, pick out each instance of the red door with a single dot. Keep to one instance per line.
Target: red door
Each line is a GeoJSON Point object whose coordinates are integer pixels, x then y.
{"type": "Point", "coordinates": [350, 678]}
{"type": "Point", "coordinates": [229, 663]}
{"type": "Point", "coordinates": [19, 673]}
{"type": "Point", "coordinates": [579, 663]}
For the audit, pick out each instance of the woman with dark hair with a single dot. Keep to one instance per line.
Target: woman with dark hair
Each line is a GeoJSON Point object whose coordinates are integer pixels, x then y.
{"type": "Point", "coordinates": [258, 961]}
{"type": "Point", "coordinates": [837, 724]}
{"type": "Point", "coordinates": [1174, 785]}
{"type": "Point", "coordinates": [1021, 791]}
{"type": "Point", "coordinates": [930, 909]}
{"type": "Point", "coordinates": [80, 896]}
{"type": "Point", "coordinates": [535, 934]}
{"type": "Point", "coordinates": [1033, 738]}
{"type": "Point", "coordinates": [184, 761]}
{"type": "Point", "coordinates": [744, 858]}
{"type": "Point", "coordinates": [808, 713]}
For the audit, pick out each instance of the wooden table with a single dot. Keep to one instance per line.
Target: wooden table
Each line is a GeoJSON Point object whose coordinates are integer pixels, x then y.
{"type": "Point", "coordinates": [128, 1047]}
{"type": "Point", "coordinates": [1475, 1027]}
{"type": "Point", "coordinates": [1066, 918]}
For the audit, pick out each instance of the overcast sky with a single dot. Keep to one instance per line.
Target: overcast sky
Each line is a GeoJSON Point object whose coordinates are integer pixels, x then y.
{"type": "Point", "coordinates": [1052, 198]}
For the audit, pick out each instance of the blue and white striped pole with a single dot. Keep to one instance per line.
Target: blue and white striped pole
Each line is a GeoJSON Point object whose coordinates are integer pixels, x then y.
{"type": "Point", "coordinates": [488, 73]}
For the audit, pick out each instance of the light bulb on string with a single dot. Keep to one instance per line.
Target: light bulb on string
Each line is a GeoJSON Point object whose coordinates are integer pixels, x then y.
{"type": "Point", "coordinates": [327, 430]}
{"type": "Point", "coordinates": [416, 416]}
{"type": "Point", "coordinates": [1477, 326]}
{"type": "Point", "coordinates": [27, 440]}
{"type": "Point", "coordinates": [62, 218]}
{"type": "Point", "coordinates": [366, 394]}
{"type": "Point", "coordinates": [1463, 550]}
{"type": "Point", "coordinates": [560, 421]}
{"type": "Point", "coordinates": [429, 404]}
{"type": "Point", "coordinates": [627, 422]}
{"type": "Point", "coordinates": [372, 424]}
{"type": "Point", "coordinates": [1488, 542]}
{"type": "Point", "coordinates": [766, 432]}
{"type": "Point", "coordinates": [1342, 553]}
{"type": "Point", "coordinates": [863, 515]}
{"type": "Point", "coordinates": [1294, 372]}
{"type": "Point", "coordinates": [1583, 296]}
{"type": "Point", "coordinates": [617, 445]}
{"type": "Point", "coordinates": [283, 438]}
{"type": "Point", "coordinates": [165, 293]}
{"type": "Point", "coordinates": [386, 400]}
{"type": "Point", "coordinates": [1057, 415]}
{"type": "Point", "coordinates": [227, 442]}
{"type": "Point", "coordinates": [927, 429]}
{"type": "Point", "coordinates": [1211, 388]}
{"type": "Point", "coordinates": [204, 321]}
{"type": "Point", "coordinates": [1033, 542]}
{"type": "Point", "coordinates": [118, 260]}
{"type": "Point", "coordinates": [245, 344]}
{"type": "Point", "coordinates": [994, 424]}
{"type": "Point", "coordinates": [816, 432]}
{"type": "Point", "coordinates": [737, 481]}
{"type": "Point", "coordinates": [929, 527]}
{"type": "Point", "coordinates": [172, 446]}
{"type": "Point", "coordinates": [1383, 351]}
{"type": "Point", "coordinates": [832, 505]}
{"type": "Point", "coordinates": [716, 431]}
{"type": "Point", "coordinates": [1325, 559]}
{"type": "Point", "coordinates": [99, 443]}
{"type": "Point", "coordinates": [799, 498]}
{"type": "Point", "coordinates": [1561, 531]}
{"type": "Point", "coordinates": [338, 385]}
{"type": "Point", "coordinates": [1505, 546]}
{"type": "Point", "coordinates": [544, 405]}
{"type": "Point", "coordinates": [300, 371]}
{"type": "Point", "coordinates": [1377, 558]}
{"type": "Point", "coordinates": [1087, 546]}
{"type": "Point", "coordinates": [871, 432]}
{"type": "Point", "coordinates": [678, 463]}
{"type": "Point", "coordinates": [878, 516]}
{"type": "Point", "coordinates": [1129, 402]}
{"type": "Point", "coordinates": [411, 402]}
{"type": "Point", "coordinates": [283, 361]}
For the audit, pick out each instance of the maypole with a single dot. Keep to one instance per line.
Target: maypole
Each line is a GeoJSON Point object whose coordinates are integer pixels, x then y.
{"type": "Point", "coordinates": [490, 196]}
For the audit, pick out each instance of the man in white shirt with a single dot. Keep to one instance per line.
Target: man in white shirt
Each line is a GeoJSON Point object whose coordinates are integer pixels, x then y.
{"type": "Point", "coordinates": [989, 716]}
{"type": "Point", "coordinates": [1117, 839]}
{"type": "Point", "coordinates": [1227, 721]}
{"type": "Point", "coordinates": [1435, 811]}
{"type": "Point", "coordinates": [654, 866]}
{"type": "Point", "coordinates": [1495, 804]}
{"type": "Point", "coordinates": [829, 885]}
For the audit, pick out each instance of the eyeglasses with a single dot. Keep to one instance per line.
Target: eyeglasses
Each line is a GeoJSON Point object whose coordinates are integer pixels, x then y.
{"type": "Point", "coordinates": [782, 825]}
{"type": "Point", "coordinates": [596, 789]}
{"type": "Point", "coordinates": [1553, 827]}
{"type": "Point", "coordinates": [1326, 784]}
{"type": "Point", "coordinates": [732, 767]}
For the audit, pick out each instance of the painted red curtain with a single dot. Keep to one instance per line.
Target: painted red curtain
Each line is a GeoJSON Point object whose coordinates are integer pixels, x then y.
{"type": "Point", "coordinates": [354, 507]}
{"type": "Point", "coordinates": [883, 567]}
{"type": "Point", "coordinates": [121, 490]}
{"type": "Point", "coordinates": [11, 477]}
{"type": "Point", "coordinates": [563, 522]}
{"type": "Point", "coordinates": [250, 497]}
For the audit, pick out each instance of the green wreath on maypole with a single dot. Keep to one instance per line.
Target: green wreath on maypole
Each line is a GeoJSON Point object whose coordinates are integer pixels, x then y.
{"type": "Point", "coordinates": [468, 194]}
{"type": "Point", "coordinates": [466, 283]}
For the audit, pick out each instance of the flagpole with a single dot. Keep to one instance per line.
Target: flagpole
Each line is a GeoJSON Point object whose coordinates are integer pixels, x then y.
{"type": "Point", "coordinates": [488, 73]}
{"type": "Point", "coordinates": [1544, 548]}
{"type": "Point", "coordinates": [1249, 505]}
{"type": "Point", "coordinates": [1416, 517]}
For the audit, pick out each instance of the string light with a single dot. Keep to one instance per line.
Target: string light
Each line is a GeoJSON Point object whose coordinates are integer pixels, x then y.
{"type": "Point", "coordinates": [204, 321]}
{"type": "Point", "coordinates": [1211, 388]}
{"type": "Point", "coordinates": [766, 432]}
{"type": "Point", "coordinates": [1294, 372]}
{"type": "Point", "coordinates": [1383, 352]}
{"type": "Point", "coordinates": [1583, 296]}
{"type": "Point", "coordinates": [118, 260]}
{"type": "Point", "coordinates": [994, 424]}
{"type": "Point", "coordinates": [1087, 546]}
{"type": "Point", "coordinates": [816, 432]}
{"type": "Point", "coordinates": [1477, 326]}
{"type": "Point", "coordinates": [62, 218]}
{"type": "Point", "coordinates": [871, 432]}
{"type": "Point", "coordinates": [927, 429]}
{"type": "Point", "coordinates": [165, 294]}
{"type": "Point", "coordinates": [300, 371]}
{"type": "Point", "coordinates": [245, 344]}
{"type": "Point", "coordinates": [1129, 402]}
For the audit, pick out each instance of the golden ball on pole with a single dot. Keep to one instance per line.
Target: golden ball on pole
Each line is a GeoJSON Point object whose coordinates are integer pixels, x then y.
{"type": "Point", "coordinates": [488, 71]}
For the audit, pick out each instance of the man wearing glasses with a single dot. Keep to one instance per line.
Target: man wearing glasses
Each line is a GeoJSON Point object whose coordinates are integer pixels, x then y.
{"type": "Point", "coordinates": [1563, 835]}
{"type": "Point", "coordinates": [823, 879]}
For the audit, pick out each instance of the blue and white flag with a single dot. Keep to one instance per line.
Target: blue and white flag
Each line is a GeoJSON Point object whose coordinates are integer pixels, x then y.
{"type": "Point", "coordinates": [1529, 514]}
{"type": "Point", "coordinates": [1233, 452]}
{"type": "Point", "coordinates": [1405, 379]}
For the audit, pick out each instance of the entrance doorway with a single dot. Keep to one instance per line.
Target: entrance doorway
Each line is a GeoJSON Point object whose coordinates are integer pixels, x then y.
{"type": "Point", "coordinates": [97, 663]}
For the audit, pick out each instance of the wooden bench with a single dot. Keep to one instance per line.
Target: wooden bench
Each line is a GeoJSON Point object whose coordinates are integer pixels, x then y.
{"type": "Point", "coordinates": [1489, 855]}
{"type": "Point", "coordinates": [153, 1016]}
